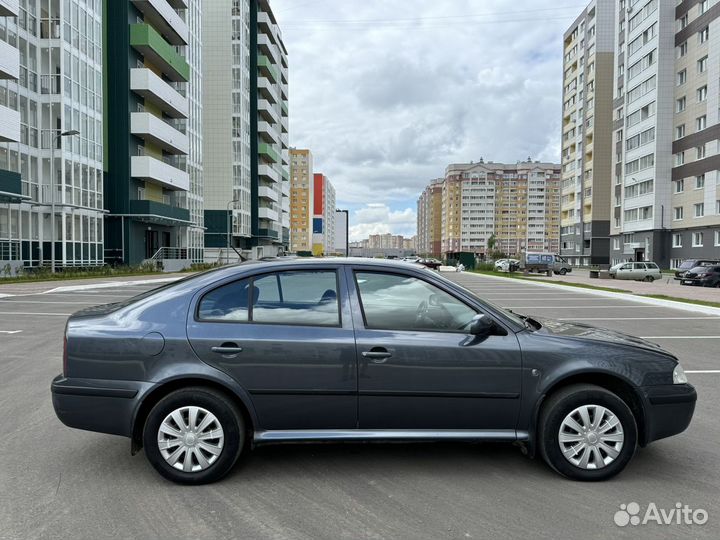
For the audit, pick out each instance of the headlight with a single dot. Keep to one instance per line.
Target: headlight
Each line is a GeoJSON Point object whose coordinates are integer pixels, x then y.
{"type": "Point", "coordinates": [679, 376]}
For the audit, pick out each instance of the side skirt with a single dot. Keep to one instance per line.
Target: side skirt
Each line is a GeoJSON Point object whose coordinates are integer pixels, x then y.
{"type": "Point", "coordinates": [381, 435]}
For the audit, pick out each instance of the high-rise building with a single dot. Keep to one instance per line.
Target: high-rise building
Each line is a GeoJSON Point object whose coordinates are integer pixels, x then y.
{"type": "Point", "coordinates": [587, 135]}
{"type": "Point", "coordinates": [51, 125]}
{"type": "Point", "coordinates": [518, 205]}
{"type": "Point", "coordinates": [301, 200]}
{"type": "Point", "coordinates": [153, 179]}
{"type": "Point", "coordinates": [429, 219]}
{"type": "Point", "coordinates": [323, 216]}
{"type": "Point", "coordinates": [247, 179]}
{"type": "Point", "coordinates": [342, 232]}
{"type": "Point", "coordinates": [646, 86]}
{"type": "Point", "coordinates": [695, 193]}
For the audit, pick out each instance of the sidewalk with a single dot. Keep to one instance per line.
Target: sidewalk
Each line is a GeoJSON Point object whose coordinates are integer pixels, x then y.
{"type": "Point", "coordinates": [667, 286]}
{"type": "Point", "coordinates": [41, 287]}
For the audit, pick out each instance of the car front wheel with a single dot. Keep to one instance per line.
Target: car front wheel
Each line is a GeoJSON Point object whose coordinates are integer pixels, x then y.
{"type": "Point", "coordinates": [194, 436]}
{"type": "Point", "coordinates": [587, 433]}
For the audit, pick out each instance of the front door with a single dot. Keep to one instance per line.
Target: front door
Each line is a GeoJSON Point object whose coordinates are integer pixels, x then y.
{"type": "Point", "coordinates": [418, 366]}
{"type": "Point", "coordinates": [287, 339]}
{"type": "Point", "coordinates": [152, 243]}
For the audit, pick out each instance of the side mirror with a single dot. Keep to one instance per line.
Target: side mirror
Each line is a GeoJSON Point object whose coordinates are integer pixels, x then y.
{"type": "Point", "coordinates": [482, 325]}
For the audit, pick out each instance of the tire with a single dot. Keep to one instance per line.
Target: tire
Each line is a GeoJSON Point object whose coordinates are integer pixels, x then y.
{"type": "Point", "coordinates": [562, 272]}
{"type": "Point", "coordinates": [565, 402]}
{"type": "Point", "coordinates": [226, 416]}
{"type": "Point", "coordinates": [649, 279]}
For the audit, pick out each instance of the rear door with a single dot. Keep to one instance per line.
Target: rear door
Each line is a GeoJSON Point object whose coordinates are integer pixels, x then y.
{"type": "Point", "coordinates": [419, 368]}
{"type": "Point", "coordinates": [287, 338]}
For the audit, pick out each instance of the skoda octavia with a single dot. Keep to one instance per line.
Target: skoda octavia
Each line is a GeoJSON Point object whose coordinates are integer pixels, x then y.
{"type": "Point", "coordinates": [357, 350]}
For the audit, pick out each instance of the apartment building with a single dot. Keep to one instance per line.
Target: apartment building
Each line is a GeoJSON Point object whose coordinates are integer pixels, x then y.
{"type": "Point", "coordinates": [153, 127]}
{"type": "Point", "coordinates": [644, 105]}
{"type": "Point", "coordinates": [695, 197]}
{"type": "Point", "coordinates": [429, 219]}
{"type": "Point", "coordinates": [51, 124]}
{"type": "Point", "coordinates": [587, 135]}
{"type": "Point", "coordinates": [247, 161]}
{"type": "Point", "coordinates": [301, 200]}
{"type": "Point", "coordinates": [342, 233]}
{"type": "Point", "coordinates": [323, 238]}
{"type": "Point", "coordinates": [516, 204]}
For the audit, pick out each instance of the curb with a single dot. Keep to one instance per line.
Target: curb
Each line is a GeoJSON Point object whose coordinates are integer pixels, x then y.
{"type": "Point", "coordinates": [695, 308]}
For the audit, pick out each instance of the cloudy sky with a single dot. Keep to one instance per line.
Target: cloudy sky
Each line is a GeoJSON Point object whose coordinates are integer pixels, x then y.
{"type": "Point", "coordinates": [386, 94]}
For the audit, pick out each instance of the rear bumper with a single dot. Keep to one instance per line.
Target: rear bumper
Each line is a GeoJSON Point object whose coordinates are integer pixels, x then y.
{"type": "Point", "coordinates": [101, 406]}
{"type": "Point", "coordinates": [668, 410]}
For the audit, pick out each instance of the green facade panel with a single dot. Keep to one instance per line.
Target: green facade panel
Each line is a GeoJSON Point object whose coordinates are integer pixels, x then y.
{"type": "Point", "coordinates": [10, 182]}
{"type": "Point", "coordinates": [152, 208]}
{"type": "Point", "coordinates": [268, 151]}
{"type": "Point", "coordinates": [267, 67]}
{"type": "Point", "coordinates": [149, 42]}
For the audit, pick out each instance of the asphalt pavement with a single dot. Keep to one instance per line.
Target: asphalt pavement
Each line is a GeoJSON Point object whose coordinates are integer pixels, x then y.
{"type": "Point", "coordinates": [59, 483]}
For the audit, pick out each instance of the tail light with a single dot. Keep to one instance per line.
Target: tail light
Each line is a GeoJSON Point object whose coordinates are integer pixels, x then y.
{"type": "Point", "coordinates": [65, 353]}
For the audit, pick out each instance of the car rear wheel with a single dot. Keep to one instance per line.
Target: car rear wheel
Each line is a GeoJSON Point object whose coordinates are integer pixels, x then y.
{"type": "Point", "coordinates": [649, 279]}
{"type": "Point", "coordinates": [587, 433]}
{"type": "Point", "coordinates": [562, 271]}
{"type": "Point", "coordinates": [194, 436]}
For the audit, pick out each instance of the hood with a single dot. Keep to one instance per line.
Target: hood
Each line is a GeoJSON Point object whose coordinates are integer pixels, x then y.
{"type": "Point", "coordinates": [584, 331]}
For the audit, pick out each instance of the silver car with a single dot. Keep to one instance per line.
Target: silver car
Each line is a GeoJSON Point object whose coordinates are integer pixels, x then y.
{"type": "Point", "coordinates": [639, 271]}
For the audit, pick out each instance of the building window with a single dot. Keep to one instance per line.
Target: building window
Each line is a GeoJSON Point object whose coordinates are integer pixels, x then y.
{"type": "Point", "coordinates": [700, 210]}
{"type": "Point", "coordinates": [704, 5]}
{"type": "Point", "coordinates": [702, 64]}
{"type": "Point", "coordinates": [680, 131]}
{"type": "Point", "coordinates": [700, 181]}
{"type": "Point", "coordinates": [701, 122]}
{"type": "Point", "coordinates": [679, 159]}
{"type": "Point", "coordinates": [682, 49]}
{"type": "Point", "coordinates": [678, 213]}
{"type": "Point", "coordinates": [616, 244]}
{"type": "Point", "coordinates": [683, 22]}
{"type": "Point", "coordinates": [717, 238]}
{"type": "Point", "coordinates": [697, 239]}
{"type": "Point", "coordinates": [677, 240]}
{"type": "Point", "coordinates": [681, 77]}
{"type": "Point", "coordinates": [702, 94]}
{"type": "Point", "coordinates": [679, 186]}
{"type": "Point", "coordinates": [680, 104]}
{"type": "Point", "coordinates": [704, 34]}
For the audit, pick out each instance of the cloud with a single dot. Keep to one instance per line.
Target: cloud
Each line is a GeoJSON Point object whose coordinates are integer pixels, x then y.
{"type": "Point", "coordinates": [387, 94]}
{"type": "Point", "coordinates": [378, 218]}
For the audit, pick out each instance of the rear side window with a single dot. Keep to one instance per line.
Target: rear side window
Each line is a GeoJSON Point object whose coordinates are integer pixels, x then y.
{"type": "Point", "coordinates": [652, 266]}
{"type": "Point", "coordinates": [292, 298]}
{"type": "Point", "coordinates": [639, 266]}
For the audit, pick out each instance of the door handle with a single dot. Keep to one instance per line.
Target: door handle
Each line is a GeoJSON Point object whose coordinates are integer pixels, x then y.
{"type": "Point", "coordinates": [377, 355]}
{"type": "Point", "coordinates": [227, 348]}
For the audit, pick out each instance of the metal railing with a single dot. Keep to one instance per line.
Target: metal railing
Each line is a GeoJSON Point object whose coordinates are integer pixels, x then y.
{"type": "Point", "coordinates": [170, 253]}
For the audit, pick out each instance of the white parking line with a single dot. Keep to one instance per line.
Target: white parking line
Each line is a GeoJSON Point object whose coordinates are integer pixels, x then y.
{"type": "Point", "coordinates": [6, 302]}
{"type": "Point", "coordinates": [10, 331]}
{"type": "Point", "coordinates": [679, 337]}
{"type": "Point", "coordinates": [642, 319]}
{"type": "Point", "coordinates": [704, 371]}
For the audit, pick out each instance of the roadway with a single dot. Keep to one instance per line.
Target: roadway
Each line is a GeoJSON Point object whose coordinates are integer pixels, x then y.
{"type": "Point", "coordinates": [61, 483]}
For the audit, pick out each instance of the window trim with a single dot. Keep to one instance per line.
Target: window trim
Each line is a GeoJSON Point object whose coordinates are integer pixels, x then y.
{"type": "Point", "coordinates": [356, 270]}
{"type": "Point", "coordinates": [251, 279]}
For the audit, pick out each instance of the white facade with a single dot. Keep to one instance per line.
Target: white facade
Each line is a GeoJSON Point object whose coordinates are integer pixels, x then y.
{"type": "Point", "coordinates": [58, 89]}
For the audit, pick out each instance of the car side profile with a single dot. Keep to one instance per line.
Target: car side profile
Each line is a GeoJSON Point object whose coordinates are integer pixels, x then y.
{"type": "Point", "coordinates": [638, 271]}
{"type": "Point", "coordinates": [705, 276]}
{"type": "Point", "coordinates": [326, 350]}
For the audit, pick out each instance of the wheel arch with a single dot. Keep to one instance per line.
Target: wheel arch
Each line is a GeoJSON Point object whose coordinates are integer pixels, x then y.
{"type": "Point", "coordinates": [153, 397]}
{"type": "Point", "coordinates": [613, 383]}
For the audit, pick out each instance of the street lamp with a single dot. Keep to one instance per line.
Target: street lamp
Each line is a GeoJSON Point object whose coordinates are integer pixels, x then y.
{"type": "Point", "coordinates": [55, 138]}
{"type": "Point", "coordinates": [229, 221]}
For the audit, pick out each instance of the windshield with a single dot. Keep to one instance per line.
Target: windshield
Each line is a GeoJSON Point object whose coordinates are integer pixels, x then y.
{"type": "Point", "coordinates": [687, 265]}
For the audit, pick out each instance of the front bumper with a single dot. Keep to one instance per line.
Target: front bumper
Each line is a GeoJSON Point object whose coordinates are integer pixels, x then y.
{"type": "Point", "coordinates": [101, 406]}
{"type": "Point", "coordinates": [668, 410]}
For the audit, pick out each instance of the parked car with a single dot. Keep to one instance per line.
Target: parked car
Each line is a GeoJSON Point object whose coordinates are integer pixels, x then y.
{"type": "Point", "coordinates": [639, 271]}
{"type": "Point", "coordinates": [689, 264]}
{"type": "Point", "coordinates": [357, 350]}
{"type": "Point", "coordinates": [544, 262]}
{"type": "Point", "coordinates": [507, 265]}
{"type": "Point", "coordinates": [433, 264]}
{"type": "Point", "coordinates": [707, 276]}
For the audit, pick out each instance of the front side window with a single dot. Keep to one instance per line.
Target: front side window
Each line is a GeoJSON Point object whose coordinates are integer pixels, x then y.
{"type": "Point", "coordinates": [396, 302]}
{"type": "Point", "coordinates": [293, 298]}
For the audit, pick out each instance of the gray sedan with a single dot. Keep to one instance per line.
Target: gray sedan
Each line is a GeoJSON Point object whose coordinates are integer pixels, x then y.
{"type": "Point", "coordinates": [357, 350]}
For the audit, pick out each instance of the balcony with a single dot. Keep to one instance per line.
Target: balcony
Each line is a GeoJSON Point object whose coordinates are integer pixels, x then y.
{"type": "Point", "coordinates": [9, 62]}
{"type": "Point", "coordinates": [267, 213]}
{"type": "Point", "coordinates": [267, 47]}
{"type": "Point", "coordinates": [267, 27]}
{"type": "Point", "coordinates": [265, 192]}
{"type": "Point", "coordinates": [267, 112]}
{"type": "Point", "coordinates": [268, 173]}
{"type": "Point", "coordinates": [158, 172]}
{"type": "Point", "coordinates": [284, 108]}
{"type": "Point", "coordinates": [9, 125]}
{"type": "Point", "coordinates": [164, 18]}
{"type": "Point", "coordinates": [151, 87]}
{"type": "Point", "coordinates": [9, 8]}
{"type": "Point", "coordinates": [268, 233]}
{"type": "Point", "coordinates": [10, 187]}
{"type": "Point", "coordinates": [267, 68]}
{"type": "Point", "coordinates": [268, 133]}
{"type": "Point", "coordinates": [268, 152]}
{"type": "Point", "coordinates": [154, 130]}
{"type": "Point", "coordinates": [267, 90]}
{"type": "Point", "coordinates": [286, 189]}
{"type": "Point", "coordinates": [155, 212]}
{"type": "Point", "coordinates": [148, 42]}
{"type": "Point", "coordinates": [178, 4]}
